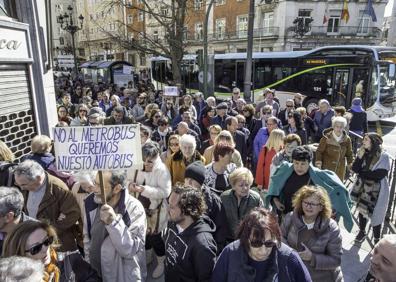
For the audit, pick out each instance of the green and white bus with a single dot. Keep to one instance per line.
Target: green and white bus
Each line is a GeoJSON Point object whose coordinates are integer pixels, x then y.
{"type": "Point", "coordinates": [335, 73]}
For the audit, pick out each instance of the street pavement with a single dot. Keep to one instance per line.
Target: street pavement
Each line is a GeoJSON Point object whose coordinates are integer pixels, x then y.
{"type": "Point", "coordinates": [355, 260]}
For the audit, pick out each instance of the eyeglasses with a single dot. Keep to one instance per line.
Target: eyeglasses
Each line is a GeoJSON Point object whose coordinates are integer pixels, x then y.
{"type": "Point", "coordinates": [259, 244]}
{"type": "Point", "coordinates": [309, 204]}
{"type": "Point", "coordinates": [37, 248]}
{"type": "Point", "coordinates": [157, 116]}
{"type": "Point", "coordinates": [235, 93]}
{"type": "Point", "coordinates": [267, 113]}
{"type": "Point", "coordinates": [174, 144]}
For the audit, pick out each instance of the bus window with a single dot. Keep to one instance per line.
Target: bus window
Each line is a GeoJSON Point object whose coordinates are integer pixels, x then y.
{"type": "Point", "coordinates": [224, 75]}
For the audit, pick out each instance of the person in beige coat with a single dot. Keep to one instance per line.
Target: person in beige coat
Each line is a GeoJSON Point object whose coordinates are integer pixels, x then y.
{"type": "Point", "coordinates": [152, 186]}
{"type": "Point", "coordinates": [316, 237]}
{"type": "Point", "coordinates": [335, 148]}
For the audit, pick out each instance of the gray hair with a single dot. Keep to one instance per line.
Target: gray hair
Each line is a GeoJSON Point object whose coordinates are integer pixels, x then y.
{"type": "Point", "coordinates": [118, 177]}
{"type": "Point", "coordinates": [119, 109]}
{"type": "Point", "coordinates": [150, 150]}
{"type": "Point", "coordinates": [236, 89]}
{"type": "Point", "coordinates": [188, 139]}
{"type": "Point", "coordinates": [211, 98]}
{"type": "Point", "coordinates": [11, 200]}
{"type": "Point", "coordinates": [86, 177]}
{"type": "Point", "coordinates": [324, 101]}
{"type": "Point", "coordinates": [21, 269]}
{"type": "Point", "coordinates": [30, 169]}
{"type": "Point", "coordinates": [339, 120]}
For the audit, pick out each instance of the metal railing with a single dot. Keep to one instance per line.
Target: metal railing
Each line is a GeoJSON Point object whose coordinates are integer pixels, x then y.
{"type": "Point", "coordinates": [236, 34]}
{"type": "Point", "coordinates": [344, 31]}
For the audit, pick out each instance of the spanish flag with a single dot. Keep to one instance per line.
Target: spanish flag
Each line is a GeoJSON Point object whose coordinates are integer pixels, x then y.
{"type": "Point", "coordinates": [345, 12]}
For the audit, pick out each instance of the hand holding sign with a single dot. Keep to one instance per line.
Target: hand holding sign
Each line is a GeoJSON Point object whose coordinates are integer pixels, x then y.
{"type": "Point", "coordinates": [107, 214]}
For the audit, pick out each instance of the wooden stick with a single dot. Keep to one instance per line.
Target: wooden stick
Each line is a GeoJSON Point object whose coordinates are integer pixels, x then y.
{"type": "Point", "coordinates": [102, 190]}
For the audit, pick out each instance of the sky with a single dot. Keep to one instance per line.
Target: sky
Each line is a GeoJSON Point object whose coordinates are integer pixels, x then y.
{"type": "Point", "coordinates": [388, 8]}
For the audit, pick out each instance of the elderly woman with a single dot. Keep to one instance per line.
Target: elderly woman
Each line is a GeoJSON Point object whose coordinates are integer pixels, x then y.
{"type": "Point", "coordinates": [223, 136]}
{"type": "Point", "coordinates": [259, 254]}
{"type": "Point", "coordinates": [173, 147]}
{"type": "Point", "coordinates": [180, 160]}
{"type": "Point", "coordinates": [217, 172]}
{"type": "Point", "coordinates": [81, 116]}
{"type": "Point", "coordinates": [270, 149]}
{"type": "Point", "coordinates": [316, 237]}
{"type": "Point", "coordinates": [152, 186]}
{"type": "Point", "coordinates": [239, 200]}
{"type": "Point", "coordinates": [38, 240]}
{"type": "Point", "coordinates": [335, 148]}
{"type": "Point", "coordinates": [371, 190]}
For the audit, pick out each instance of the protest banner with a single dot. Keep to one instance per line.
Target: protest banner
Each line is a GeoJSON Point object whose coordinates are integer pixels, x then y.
{"type": "Point", "coordinates": [171, 91]}
{"type": "Point", "coordinates": [98, 148]}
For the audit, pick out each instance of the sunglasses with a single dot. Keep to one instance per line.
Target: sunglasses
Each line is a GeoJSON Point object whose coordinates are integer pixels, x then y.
{"type": "Point", "coordinates": [289, 106]}
{"type": "Point", "coordinates": [37, 248]}
{"type": "Point", "coordinates": [173, 144]}
{"type": "Point", "coordinates": [157, 116]}
{"type": "Point", "coordinates": [259, 244]}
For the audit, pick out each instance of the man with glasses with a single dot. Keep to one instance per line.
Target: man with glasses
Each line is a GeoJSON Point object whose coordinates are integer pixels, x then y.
{"type": "Point", "coordinates": [11, 214]}
{"type": "Point", "coordinates": [48, 198]}
{"type": "Point", "coordinates": [322, 119]}
{"type": "Point", "coordinates": [284, 114]}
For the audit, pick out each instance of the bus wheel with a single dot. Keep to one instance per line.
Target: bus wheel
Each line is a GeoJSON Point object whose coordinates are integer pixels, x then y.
{"type": "Point", "coordinates": [311, 104]}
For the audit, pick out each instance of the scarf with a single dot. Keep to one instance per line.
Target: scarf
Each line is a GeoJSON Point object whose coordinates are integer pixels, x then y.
{"type": "Point", "coordinates": [52, 272]}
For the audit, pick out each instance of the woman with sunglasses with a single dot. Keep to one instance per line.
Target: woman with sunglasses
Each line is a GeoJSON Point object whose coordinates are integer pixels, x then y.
{"type": "Point", "coordinates": [63, 115]}
{"type": "Point", "coordinates": [38, 240]}
{"type": "Point", "coordinates": [154, 117]}
{"type": "Point", "coordinates": [316, 237]}
{"type": "Point", "coordinates": [161, 133]}
{"type": "Point", "coordinates": [258, 254]}
{"type": "Point", "coordinates": [81, 116]}
{"type": "Point", "coordinates": [173, 147]}
{"type": "Point", "coordinates": [296, 126]}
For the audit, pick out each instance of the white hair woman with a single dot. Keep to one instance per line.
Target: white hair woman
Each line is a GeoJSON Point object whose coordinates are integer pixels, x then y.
{"type": "Point", "coordinates": [181, 159]}
{"type": "Point", "coordinates": [335, 148]}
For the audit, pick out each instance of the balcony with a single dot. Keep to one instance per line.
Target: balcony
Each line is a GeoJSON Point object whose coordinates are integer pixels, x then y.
{"type": "Point", "coordinates": [344, 31]}
{"type": "Point", "coordinates": [269, 32]}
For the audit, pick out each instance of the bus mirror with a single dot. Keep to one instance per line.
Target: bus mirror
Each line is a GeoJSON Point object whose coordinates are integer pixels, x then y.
{"type": "Point", "coordinates": [392, 71]}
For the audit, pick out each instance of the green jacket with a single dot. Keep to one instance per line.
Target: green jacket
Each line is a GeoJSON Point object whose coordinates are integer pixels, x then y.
{"type": "Point", "coordinates": [236, 213]}
{"type": "Point", "coordinates": [327, 179]}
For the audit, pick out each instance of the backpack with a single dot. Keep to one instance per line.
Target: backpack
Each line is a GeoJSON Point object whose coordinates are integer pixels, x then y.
{"type": "Point", "coordinates": [6, 173]}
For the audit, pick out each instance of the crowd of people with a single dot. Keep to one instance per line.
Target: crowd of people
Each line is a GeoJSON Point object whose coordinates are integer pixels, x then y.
{"type": "Point", "coordinates": [229, 191]}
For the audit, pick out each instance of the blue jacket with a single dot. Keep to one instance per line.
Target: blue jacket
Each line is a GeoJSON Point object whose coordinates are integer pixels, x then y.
{"type": "Point", "coordinates": [259, 141]}
{"type": "Point", "coordinates": [285, 266]}
{"type": "Point", "coordinates": [339, 195]}
{"type": "Point", "coordinates": [325, 123]}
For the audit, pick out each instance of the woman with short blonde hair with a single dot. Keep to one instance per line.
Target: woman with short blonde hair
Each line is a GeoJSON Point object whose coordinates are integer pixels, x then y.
{"type": "Point", "coordinates": [310, 230]}
{"type": "Point", "coordinates": [6, 155]}
{"type": "Point", "coordinates": [241, 173]}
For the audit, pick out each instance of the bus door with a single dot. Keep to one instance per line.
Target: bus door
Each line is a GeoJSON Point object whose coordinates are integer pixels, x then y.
{"type": "Point", "coordinates": [341, 87]}
{"type": "Point", "coordinates": [360, 80]}
{"type": "Point", "coordinates": [239, 74]}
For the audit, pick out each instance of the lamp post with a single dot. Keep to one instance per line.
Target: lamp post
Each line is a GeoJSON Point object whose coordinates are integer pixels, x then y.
{"type": "Point", "coordinates": [301, 27]}
{"type": "Point", "coordinates": [68, 24]}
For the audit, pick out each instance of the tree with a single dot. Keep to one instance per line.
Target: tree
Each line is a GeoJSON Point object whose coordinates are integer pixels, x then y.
{"type": "Point", "coordinates": [169, 16]}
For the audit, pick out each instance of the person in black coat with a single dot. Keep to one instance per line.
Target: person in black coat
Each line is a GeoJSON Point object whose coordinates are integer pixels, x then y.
{"type": "Point", "coordinates": [221, 116]}
{"type": "Point", "coordinates": [239, 137]}
{"type": "Point", "coordinates": [283, 114]}
{"type": "Point", "coordinates": [295, 125]}
{"type": "Point", "coordinates": [190, 249]}
{"type": "Point", "coordinates": [194, 176]}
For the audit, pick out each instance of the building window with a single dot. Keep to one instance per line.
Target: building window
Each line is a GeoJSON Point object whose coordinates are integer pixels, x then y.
{"type": "Point", "coordinates": [306, 15]}
{"type": "Point", "coordinates": [220, 28]}
{"type": "Point", "coordinates": [268, 23]}
{"type": "Point", "coordinates": [61, 41]}
{"type": "Point", "coordinates": [220, 2]}
{"type": "Point", "coordinates": [198, 31]}
{"type": "Point", "coordinates": [364, 21]}
{"type": "Point", "coordinates": [130, 19]}
{"type": "Point", "coordinates": [242, 26]}
{"type": "Point", "coordinates": [142, 60]}
{"type": "Point", "coordinates": [333, 25]}
{"type": "Point", "coordinates": [155, 35]}
{"type": "Point", "coordinates": [198, 4]}
{"type": "Point", "coordinates": [164, 11]}
{"type": "Point", "coordinates": [141, 16]}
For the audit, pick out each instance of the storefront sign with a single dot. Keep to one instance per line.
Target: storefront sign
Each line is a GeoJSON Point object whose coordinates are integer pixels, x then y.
{"type": "Point", "coordinates": [13, 44]}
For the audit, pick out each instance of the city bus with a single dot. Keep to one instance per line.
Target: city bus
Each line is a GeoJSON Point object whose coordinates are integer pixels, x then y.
{"type": "Point", "coordinates": [335, 73]}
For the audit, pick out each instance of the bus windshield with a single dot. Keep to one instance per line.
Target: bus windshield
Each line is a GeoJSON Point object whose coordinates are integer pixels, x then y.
{"type": "Point", "coordinates": [387, 86]}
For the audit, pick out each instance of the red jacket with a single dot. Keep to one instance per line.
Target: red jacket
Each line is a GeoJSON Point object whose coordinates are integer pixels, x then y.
{"type": "Point", "coordinates": [263, 166]}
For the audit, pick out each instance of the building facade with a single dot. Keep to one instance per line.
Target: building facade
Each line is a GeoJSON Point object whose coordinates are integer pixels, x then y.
{"type": "Point", "coordinates": [28, 105]}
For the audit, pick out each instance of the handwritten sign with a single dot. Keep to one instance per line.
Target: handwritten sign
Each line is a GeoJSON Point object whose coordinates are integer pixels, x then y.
{"type": "Point", "coordinates": [171, 91]}
{"type": "Point", "coordinates": [98, 148]}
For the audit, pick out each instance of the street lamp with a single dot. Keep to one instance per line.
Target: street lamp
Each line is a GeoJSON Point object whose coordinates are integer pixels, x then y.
{"type": "Point", "coordinates": [302, 25]}
{"type": "Point", "coordinates": [68, 24]}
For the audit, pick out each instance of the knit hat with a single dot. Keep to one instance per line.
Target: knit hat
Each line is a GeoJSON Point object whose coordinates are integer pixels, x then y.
{"type": "Point", "coordinates": [196, 171]}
